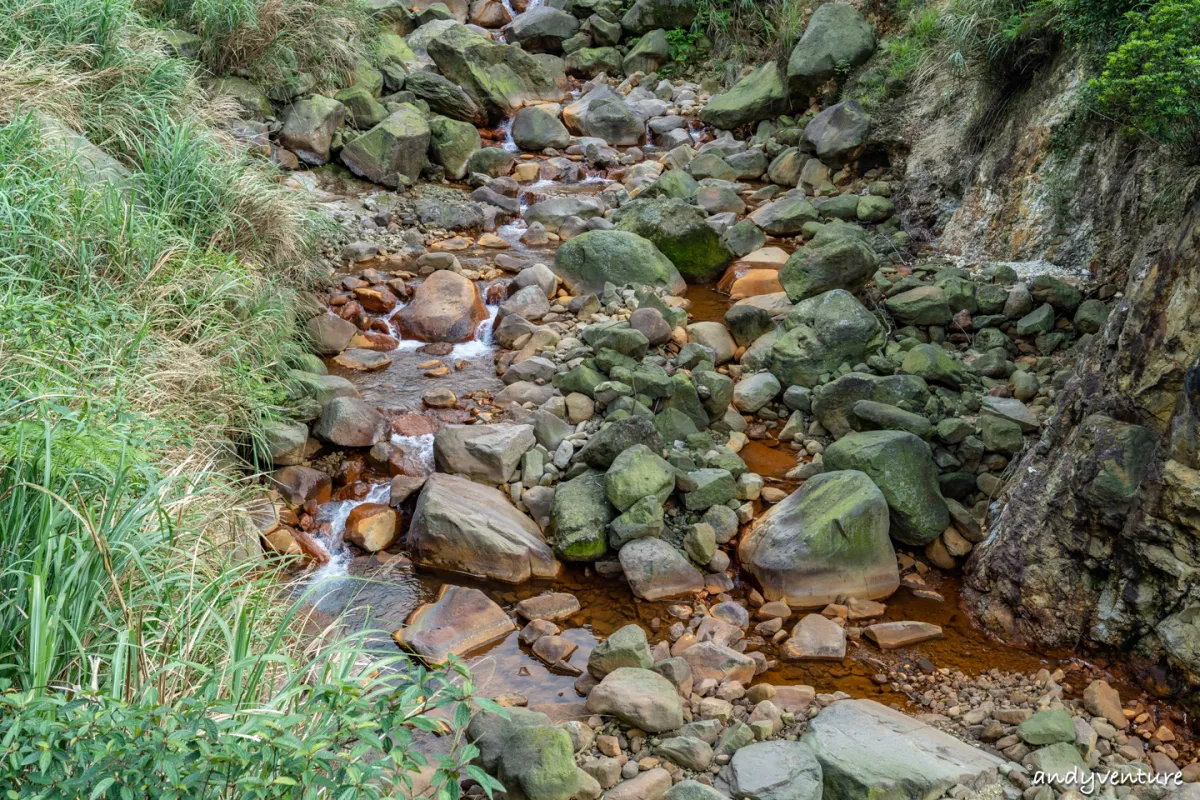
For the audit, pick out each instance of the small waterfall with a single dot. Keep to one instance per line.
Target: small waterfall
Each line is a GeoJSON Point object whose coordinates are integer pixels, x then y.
{"type": "Point", "coordinates": [335, 514]}
{"type": "Point", "coordinates": [508, 144]}
{"type": "Point", "coordinates": [419, 448]}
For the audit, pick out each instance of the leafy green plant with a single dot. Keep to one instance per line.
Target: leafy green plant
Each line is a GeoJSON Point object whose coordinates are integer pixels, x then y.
{"type": "Point", "coordinates": [1151, 82]}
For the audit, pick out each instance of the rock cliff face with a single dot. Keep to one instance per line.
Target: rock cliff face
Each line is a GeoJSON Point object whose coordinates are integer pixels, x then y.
{"type": "Point", "coordinates": [1097, 539]}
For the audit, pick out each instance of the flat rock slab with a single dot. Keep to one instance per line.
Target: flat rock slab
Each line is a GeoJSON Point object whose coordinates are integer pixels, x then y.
{"type": "Point", "coordinates": [460, 620]}
{"type": "Point", "coordinates": [553, 606]}
{"type": "Point", "coordinates": [649, 785]}
{"type": "Point", "coordinates": [890, 635]}
{"type": "Point", "coordinates": [656, 570]}
{"type": "Point", "coordinates": [868, 750]}
{"type": "Point", "coordinates": [816, 638]}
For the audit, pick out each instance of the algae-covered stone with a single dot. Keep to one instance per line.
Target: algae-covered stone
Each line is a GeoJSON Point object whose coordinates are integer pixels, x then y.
{"type": "Point", "coordinates": [646, 15]}
{"type": "Point", "coordinates": [901, 466]}
{"type": "Point", "coordinates": [680, 232]}
{"type": "Point", "coordinates": [394, 151]}
{"type": "Point", "coordinates": [934, 364]}
{"type": "Point", "coordinates": [837, 38]}
{"type": "Point", "coordinates": [531, 757]}
{"type": "Point", "coordinates": [499, 77]}
{"type": "Point", "coordinates": [1001, 435]}
{"type": "Point", "coordinates": [760, 95]}
{"type": "Point", "coordinates": [811, 271]}
{"type": "Point", "coordinates": [308, 128]}
{"type": "Point", "coordinates": [821, 333]}
{"type": "Point", "coordinates": [870, 416]}
{"type": "Point", "coordinates": [588, 261]}
{"type": "Point", "coordinates": [677, 184]}
{"type": "Point", "coordinates": [1040, 320]}
{"type": "Point", "coordinates": [445, 97]}
{"type": "Point", "coordinates": [643, 518]}
{"type": "Point", "coordinates": [362, 109]}
{"type": "Point", "coordinates": [1047, 727]}
{"type": "Point", "coordinates": [924, 305]}
{"type": "Point", "coordinates": [655, 570]}
{"type": "Point", "coordinates": [451, 144]}
{"type": "Point", "coordinates": [638, 472]}
{"type": "Point", "coordinates": [649, 54]}
{"type": "Point", "coordinates": [614, 438]}
{"type": "Point", "coordinates": [589, 62]}
{"type": "Point", "coordinates": [624, 647]}
{"type": "Point", "coordinates": [580, 516]}
{"type": "Point", "coordinates": [826, 539]}
{"type": "Point", "coordinates": [713, 487]}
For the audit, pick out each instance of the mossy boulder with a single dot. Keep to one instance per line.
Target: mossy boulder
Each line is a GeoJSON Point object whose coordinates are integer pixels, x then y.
{"type": "Point", "coordinates": [901, 465]}
{"type": "Point", "coordinates": [530, 756]}
{"type": "Point", "coordinates": [393, 152]}
{"type": "Point", "coordinates": [636, 473]}
{"type": "Point", "coordinates": [758, 96]}
{"type": "Point", "coordinates": [362, 109]}
{"type": "Point", "coordinates": [814, 270]}
{"type": "Point", "coordinates": [827, 539]}
{"type": "Point", "coordinates": [588, 261]}
{"type": "Point", "coordinates": [308, 128]}
{"type": "Point", "coordinates": [678, 230]}
{"type": "Point", "coordinates": [589, 62]}
{"type": "Point", "coordinates": [451, 144]}
{"type": "Point", "coordinates": [837, 37]}
{"type": "Point", "coordinates": [580, 516]}
{"type": "Point", "coordinates": [444, 97]}
{"type": "Point", "coordinates": [649, 54]}
{"type": "Point", "coordinates": [534, 128]}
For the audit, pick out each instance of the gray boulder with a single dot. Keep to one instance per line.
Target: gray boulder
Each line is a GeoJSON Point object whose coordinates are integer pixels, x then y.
{"type": "Point", "coordinates": [542, 29]}
{"type": "Point", "coordinates": [462, 526]}
{"type": "Point", "coordinates": [308, 128]}
{"type": "Point", "coordinates": [827, 539]}
{"type": "Point", "coordinates": [638, 697]}
{"type": "Point", "coordinates": [779, 770]}
{"type": "Point", "coordinates": [839, 133]}
{"type": "Point", "coordinates": [489, 453]}
{"type": "Point", "coordinates": [588, 261]}
{"type": "Point", "coordinates": [350, 422]}
{"type": "Point", "coordinates": [837, 37]}
{"type": "Point", "coordinates": [536, 129]}
{"type": "Point", "coordinates": [868, 750]}
{"type": "Point", "coordinates": [394, 151]}
{"type": "Point", "coordinates": [760, 95]}
{"type": "Point", "coordinates": [656, 570]}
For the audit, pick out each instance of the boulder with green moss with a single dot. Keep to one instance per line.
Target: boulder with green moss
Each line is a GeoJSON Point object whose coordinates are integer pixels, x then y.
{"type": "Point", "coordinates": [680, 231]}
{"type": "Point", "coordinates": [393, 152]}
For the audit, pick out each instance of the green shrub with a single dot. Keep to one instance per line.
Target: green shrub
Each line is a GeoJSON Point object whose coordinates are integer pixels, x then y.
{"type": "Point", "coordinates": [1151, 82]}
{"type": "Point", "coordinates": [337, 737]}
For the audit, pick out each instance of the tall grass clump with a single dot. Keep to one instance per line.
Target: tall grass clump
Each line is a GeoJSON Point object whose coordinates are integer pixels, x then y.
{"type": "Point", "coordinates": [752, 31]}
{"type": "Point", "coordinates": [270, 40]}
{"type": "Point", "coordinates": [148, 277]}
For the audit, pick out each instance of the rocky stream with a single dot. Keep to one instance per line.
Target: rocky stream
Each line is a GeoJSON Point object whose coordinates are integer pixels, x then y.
{"type": "Point", "coordinates": [636, 396]}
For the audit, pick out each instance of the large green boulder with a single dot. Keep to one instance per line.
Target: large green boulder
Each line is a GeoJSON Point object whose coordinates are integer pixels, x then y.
{"type": "Point", "coordinates": [451, 144]}
{"type": "Point", "coordinates": [837, 38]}
{"type": "Point", "coordinates": [445, 97]}
{"type": "Point", "coordinates": [817, 337]}
{"type": "Point", "coordinates": [832, 403]}
{"type": "Point", "coordinates": [589, 62]}
{"type": "Point", "coordinates": [901, 465]}
{"type": "Point", "coordinates": [675, 183]}
{"type": "Point", "coordinates": [636, 473]}
{"type": "Point", "coordinates": [363, 111]}
{"type": "Point", "coordinates": [308, 128]}
{"type": "Point", "coordinates": [394, 151]}
{"type": "Point", "coordinates": [760, 95]}
{"type": "Point", "coordinates": [614, 438]}
{"type": "Point", "coordinates": [924, 305]}
{"type": "Point", "coordinates": [624, 647]}
{"type": "Point", "coordinates": [649, 54]}
{"type": "Point", "coordinates": [934, 364]}
{"type": "Point", "coordinates": [680, 231]}
{"type": "Point", "coordinates": [534, 128]}
{"type": "Point", "coordinates": [500, 78]}
{"type": "Point", "coordinates": [1048, 727]}
{"type": "Point", "coordinates": [646, 15]}
{"type": "Point", "coordinates": [531, 757]}
{"type": "Point", "coordinates": [827, 539]}
{"type": "Point", "coordinates": [588, 261]}
{"type": "Point", "coordinates": [839, 133]}
{"type": "Point", "coordinates": [579, 518]}
{"type": "Point", "coordinates": [867, 750]}
{"type": "Point", "coordinates": [840, 264]}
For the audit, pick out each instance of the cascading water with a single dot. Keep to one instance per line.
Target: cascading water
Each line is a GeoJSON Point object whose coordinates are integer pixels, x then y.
{"type": "Point", "coordinates": [334, 515]}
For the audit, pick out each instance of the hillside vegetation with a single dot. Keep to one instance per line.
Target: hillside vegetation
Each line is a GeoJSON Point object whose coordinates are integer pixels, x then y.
{"type": "Point", "coordinates": [147, 271]}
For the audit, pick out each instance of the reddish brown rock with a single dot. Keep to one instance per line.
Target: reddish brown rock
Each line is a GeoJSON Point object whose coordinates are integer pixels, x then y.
{"type": "Point", "coordinates": [372, 526]}
{"type": "Point", "coordinates": [446, 307]}
{"type": "Point", "coordinates": [300, 485]}
{"type": "Point", "coordinates": [460, 620]}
